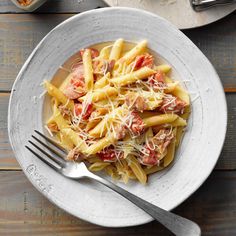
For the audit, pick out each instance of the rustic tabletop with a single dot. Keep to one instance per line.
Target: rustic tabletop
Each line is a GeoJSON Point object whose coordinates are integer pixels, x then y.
{"type": "Point", "coordinates": [24, 211]}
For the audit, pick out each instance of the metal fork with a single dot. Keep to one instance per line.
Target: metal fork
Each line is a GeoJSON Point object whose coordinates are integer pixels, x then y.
{"type": "Point", "coordinates": [43, 150]}
{"type": "Point", "coordinates": [201, 5]}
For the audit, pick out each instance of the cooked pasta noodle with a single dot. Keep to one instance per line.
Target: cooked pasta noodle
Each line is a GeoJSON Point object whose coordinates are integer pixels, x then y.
{"type": "Point", "coordinates": [119, 111]}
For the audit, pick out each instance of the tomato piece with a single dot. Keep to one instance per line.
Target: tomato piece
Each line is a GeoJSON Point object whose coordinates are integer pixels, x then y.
{"type": "Point", "coordinates": [144, 60]}
{"type": "Point", "coordinates": [172, 104]}
{"type": "Point", "coordinates": [78, 108]}
{"type": "Point", "coordinates": [136, 126]}
{"type": "Point", "coordinates": [109, 154]}
{"type": "Point", "coordinates": [94, 52]}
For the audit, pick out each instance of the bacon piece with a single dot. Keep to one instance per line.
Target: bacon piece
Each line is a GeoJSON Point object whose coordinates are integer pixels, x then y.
{"type": "Point", "coordinates": [111, 65]}
{"type": "Point", "coordinates": [172, 104]}
{"type": "Point", "coordinates": [135, 124]}
{"type": "Point", "coordinates": [53, 127]}
{"type": "Point", "coordinates": [136, 102]}
{"type": "Point", "coordinates": [120, 131]}
{"type": "Point", "coordinates": [75, 88]}
{"type": "Point", "coordinates": [157, 81]}
{"type": "Point", "coordinates": [71, 93]}
{"type": "Point", "coordinates": [86, 113]}
{"type": "Point", "coordinates": [75, 155]}
{"type": "Point", "coordinates": [94, 52]}
{"type": "Point", "coordinates": [144, 60]}
{"type": "Point", "coordinates": [109, 154]}
{"type": "Point", "coordinates": [150, 157]}
{"type": "Point", "coordinates": [156, 147]}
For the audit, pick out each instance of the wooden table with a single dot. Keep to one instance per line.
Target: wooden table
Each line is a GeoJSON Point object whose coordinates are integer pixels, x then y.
{"type": "Point", "coordinates": [24, 211]}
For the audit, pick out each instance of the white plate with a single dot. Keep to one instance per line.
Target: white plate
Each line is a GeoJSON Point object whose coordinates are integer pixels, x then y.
{"type": "Point", "coordinates": [179, 12]}
{"type": "Point", "coordinates": [202, 142]}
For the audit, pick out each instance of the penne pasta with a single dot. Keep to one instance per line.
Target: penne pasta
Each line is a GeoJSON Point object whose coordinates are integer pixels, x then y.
{"type": "Point", "coordinates": [130, 56]}
{"type": "Point", "coordinates": [170, 152]}
{"type": "Point", "coordinates": [101, 94]}
{"type": "Point", "coordinates": [119, 112]}
{"type": "Point", "coordinates": [101, 83]}
{"type": "Point", "coordinates": [98, 166]}
{"type": "Point", "coordinates": [75, 138]}
{"type": "Point", "coordinates": [132, 77]}
{"type": "Point", "coordinates": [116, 49]}
{"type": "Point", "coordinates": [159, 119]}
{"type": "Point", "coordinates": [137, 169]}
{"type": "Point", "coordinates": [88, 69]}
{"type": "Point", "coordinates": [55, 92]}
{"type": "Point", "coordinates": [99, 145]}
{"type": "Point", "coordinates": [164, 68]}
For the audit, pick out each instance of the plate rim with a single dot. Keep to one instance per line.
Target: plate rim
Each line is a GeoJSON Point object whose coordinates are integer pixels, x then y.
{"type": "Point", "coordinates": [27, 62]}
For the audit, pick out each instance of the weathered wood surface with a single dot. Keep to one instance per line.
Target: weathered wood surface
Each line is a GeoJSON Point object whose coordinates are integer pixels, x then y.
{"type": "Point", "coordinates": [227, 159]}
{"type": "Point", "coordinates": [55, 6]}
{"type": "Point", "coordinates": [23, 211]}
{"type": "Point", "coordinates": [20, 33]}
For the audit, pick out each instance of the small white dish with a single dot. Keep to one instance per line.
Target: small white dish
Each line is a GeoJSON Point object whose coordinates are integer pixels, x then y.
{"type": "Point", "coordinates": [202, 142]}
{"type": "Point", "coordinates": [31, 7]}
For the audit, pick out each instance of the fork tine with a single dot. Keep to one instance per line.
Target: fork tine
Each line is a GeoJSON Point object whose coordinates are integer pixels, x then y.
{"type": "Point", "coordinates": [51, 141]}
{"type": "Point", "coordinates": [54, 159]}
{"type": "Point", "coordinates": [45, 160]}
{"type": "Point", "coordinates": [61, 160]}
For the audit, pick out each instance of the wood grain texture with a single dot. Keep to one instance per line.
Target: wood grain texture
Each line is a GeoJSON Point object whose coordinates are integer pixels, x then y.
{"type": "Point", "coordinates": [55, 6]}
{"type": "Point", "coordinates": [24, 211]}
{"type": "Point", "coordinates": [217, 41]}
{"type": "Point", "coordinates": [227, 159]}
{"type": "Point", "coordinates": [7, 160]}
{"type": "Point", "coordinates": [20, 33]}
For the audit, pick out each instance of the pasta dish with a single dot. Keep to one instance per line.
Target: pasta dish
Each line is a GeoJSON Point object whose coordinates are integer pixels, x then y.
{"type": "Point", "coordinates": [119, 111]}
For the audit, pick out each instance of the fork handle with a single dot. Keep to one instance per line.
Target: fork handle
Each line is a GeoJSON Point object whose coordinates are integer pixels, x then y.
{"type": "Point", "coordinates": [176, 224]}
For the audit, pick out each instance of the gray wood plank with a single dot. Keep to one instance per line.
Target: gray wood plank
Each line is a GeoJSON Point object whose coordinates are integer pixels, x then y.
{"type": "Point", "coordinates": [227, 159]}
{"type": "Point", "coordinates": [19, 34]}
{"type": "Point", "coordinates": [24, 211]}
{"type": "Point", "coordinates": [218, 42]}
{"type": "Point", "coordinates": [55, 6]}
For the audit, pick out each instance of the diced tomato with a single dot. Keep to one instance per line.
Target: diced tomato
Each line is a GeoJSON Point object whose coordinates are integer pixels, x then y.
{"type": "Point", "coordinates": [172, 104]}
{"type": "Point", "coordinates": [78, 110]}
{"type": "Point", "coordinates": [150, 157]}
{"type": "Point", "coordinates": [94, 52]}
{"type": "Point", "coordinates": [137, 125]}
{"type": "Point", "coordinates": [109, 154]}
{"type": "Point", "coordinates": [144, 60]}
